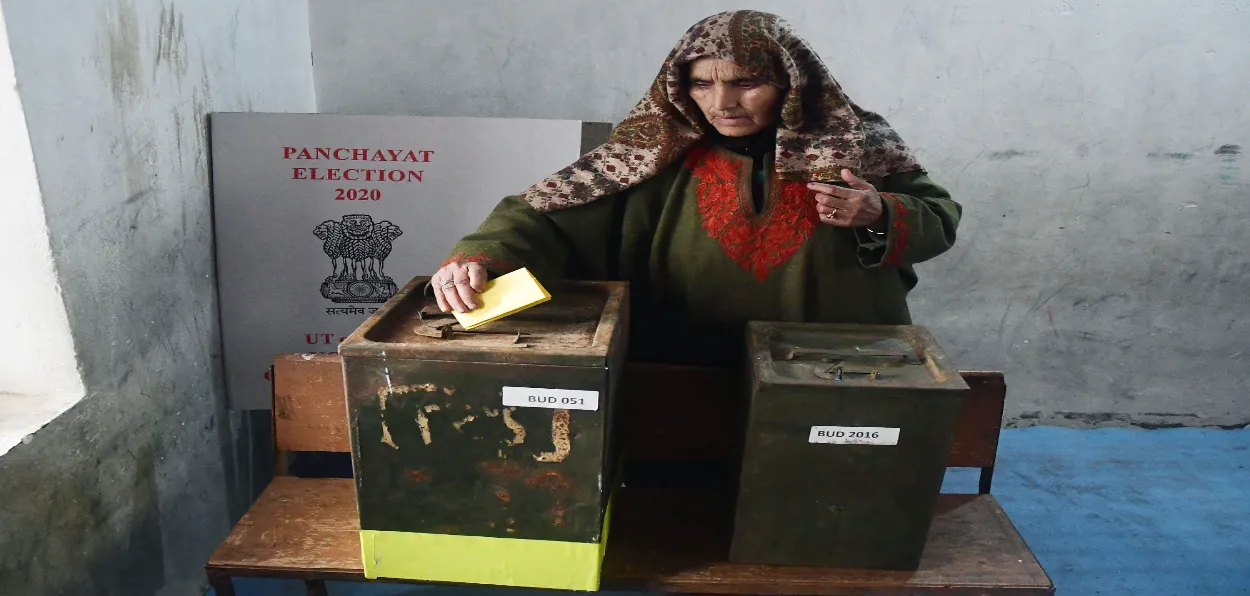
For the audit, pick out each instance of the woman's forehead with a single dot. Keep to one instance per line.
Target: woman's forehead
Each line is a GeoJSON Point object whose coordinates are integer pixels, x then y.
{"type": "Point", "coordinates": [715, 69]}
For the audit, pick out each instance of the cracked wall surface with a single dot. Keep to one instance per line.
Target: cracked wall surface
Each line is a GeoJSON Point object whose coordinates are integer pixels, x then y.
{"type": "Point", "coordinates": [130, 490]}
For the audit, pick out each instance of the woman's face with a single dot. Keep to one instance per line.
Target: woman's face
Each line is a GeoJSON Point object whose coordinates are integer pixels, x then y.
{"type": "Point", "coordinates": [733, 102]}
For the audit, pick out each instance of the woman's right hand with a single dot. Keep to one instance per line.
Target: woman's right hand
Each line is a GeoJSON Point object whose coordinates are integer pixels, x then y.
{"type": "Point", "coordinates": [457, 285]}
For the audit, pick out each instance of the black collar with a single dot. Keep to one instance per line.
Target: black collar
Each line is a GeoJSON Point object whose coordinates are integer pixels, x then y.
{"type": "Point", "coordinates": [755, 146]}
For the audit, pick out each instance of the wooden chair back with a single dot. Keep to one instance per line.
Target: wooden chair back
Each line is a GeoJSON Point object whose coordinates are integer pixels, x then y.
{"type": "Point", "coordinates": [309, 406]}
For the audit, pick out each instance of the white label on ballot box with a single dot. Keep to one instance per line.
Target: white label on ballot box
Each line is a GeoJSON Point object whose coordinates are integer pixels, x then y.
{"type": "Point", "coordinates": [563, 399]}
{"type": "Point", "coordinates": [853, 435]}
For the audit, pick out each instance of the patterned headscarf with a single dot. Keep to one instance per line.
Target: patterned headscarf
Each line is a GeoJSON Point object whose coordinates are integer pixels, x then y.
{"type": "Point", "coordinates": [821, 131]}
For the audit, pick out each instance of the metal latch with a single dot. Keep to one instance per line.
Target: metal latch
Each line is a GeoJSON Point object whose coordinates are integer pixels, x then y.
{"type": "Point", "coordinates": [856, 362]}
{"type": "Point", "coordinates": [445, 330]}
{"type": "Point", "coordinates": [854, 355]}
{"type": "Point", "coordinates": [837, 372]}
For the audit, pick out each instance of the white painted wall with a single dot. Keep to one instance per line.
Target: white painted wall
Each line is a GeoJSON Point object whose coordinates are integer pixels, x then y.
{"type": "Point", "coordinates": [38, 354]}
{"type": "Point", "coordinates": [38, 371]}
{"type": "Point", "coordinates": [1102, 263]}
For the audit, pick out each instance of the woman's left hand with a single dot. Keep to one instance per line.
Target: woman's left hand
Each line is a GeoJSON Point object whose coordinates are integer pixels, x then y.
{"type": "Point", "coordinates": [855, 207]}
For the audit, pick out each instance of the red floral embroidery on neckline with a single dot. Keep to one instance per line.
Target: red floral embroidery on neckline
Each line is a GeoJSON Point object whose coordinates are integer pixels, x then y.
{"type": "Point", "coordinates": [757, 244]}
{"type": "Point", "coordinates": [901, 230]}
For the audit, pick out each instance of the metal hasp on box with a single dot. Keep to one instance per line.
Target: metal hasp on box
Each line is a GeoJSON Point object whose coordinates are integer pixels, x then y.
{"type": "Point", "coordinates": [848, 431]}
{"type": "Point", "coordinates": [487, 456]}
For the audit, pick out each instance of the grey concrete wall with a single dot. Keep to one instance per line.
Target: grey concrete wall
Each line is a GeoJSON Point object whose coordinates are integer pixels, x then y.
{"type": "Point", "coordinates": [1102, 263]}
{"type": "Point", "coordinates": [129, 491]}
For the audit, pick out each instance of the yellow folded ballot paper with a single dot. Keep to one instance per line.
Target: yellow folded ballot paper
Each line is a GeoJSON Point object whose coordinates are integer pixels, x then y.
{"type": "Point", "coordinates": [505, 295]}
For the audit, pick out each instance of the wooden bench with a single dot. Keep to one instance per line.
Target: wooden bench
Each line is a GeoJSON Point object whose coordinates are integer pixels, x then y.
{"type": "Point", "coordinates": [667, 536]}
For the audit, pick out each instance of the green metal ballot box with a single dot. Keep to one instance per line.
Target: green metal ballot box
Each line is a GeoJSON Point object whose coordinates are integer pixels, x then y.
{"type": "Point", "coordinates": [487, 456]}
{"type": "Point", "coordinates": [847, 436]}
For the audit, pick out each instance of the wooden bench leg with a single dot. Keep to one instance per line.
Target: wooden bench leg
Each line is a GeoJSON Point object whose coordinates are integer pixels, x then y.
{"type": "Point", "coordinates": [221, 583]}
{"type": "Point", "coordinates": [316, 587]}
{"type": "Point", "coordinates": [987, 478]}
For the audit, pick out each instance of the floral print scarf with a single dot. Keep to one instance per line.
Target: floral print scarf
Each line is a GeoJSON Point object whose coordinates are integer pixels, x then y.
{"type": "Point", "coordinates": [820, 132]}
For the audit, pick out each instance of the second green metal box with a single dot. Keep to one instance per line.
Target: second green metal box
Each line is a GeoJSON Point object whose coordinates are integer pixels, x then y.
{"type": "Point", "coordinates": [848, 432]}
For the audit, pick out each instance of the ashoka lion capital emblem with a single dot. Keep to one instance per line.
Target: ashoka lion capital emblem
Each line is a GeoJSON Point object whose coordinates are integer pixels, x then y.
{"type": "Point", "coordinates": [357, 248]}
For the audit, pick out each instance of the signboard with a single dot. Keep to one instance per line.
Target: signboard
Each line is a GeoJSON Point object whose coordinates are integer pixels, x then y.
{"type": "Point", "coordinates": [320, 218]}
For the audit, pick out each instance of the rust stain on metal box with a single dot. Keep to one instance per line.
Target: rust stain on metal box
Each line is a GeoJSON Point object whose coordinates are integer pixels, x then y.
{"type": "Point", "coordinates": [389, 390]}
{"type": "Point", "coordinates": [518, 431]}
{"type": "Point", "coordinates": [506, 469]}
{"type": "Point", "coordinates": [386, 432]}
{"type": "Point", "coordinates": [460, 423]}
{"type": "Point", "coordinates": [559, 438]}
{"type": "Point", "coordinates": [550, 481]}
{"type": "Point", "coordinates": [424, 424]}
{"type": "Point", "coordinates": [557, 515]}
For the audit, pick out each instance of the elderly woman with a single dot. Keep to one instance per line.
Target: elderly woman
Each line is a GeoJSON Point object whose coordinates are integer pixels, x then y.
{"type": "Point", "coordinates": [744, 186]}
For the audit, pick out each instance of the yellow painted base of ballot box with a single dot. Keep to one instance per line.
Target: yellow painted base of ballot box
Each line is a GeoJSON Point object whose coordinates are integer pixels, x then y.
{"type": "Point", "coordinates": [511, 562]}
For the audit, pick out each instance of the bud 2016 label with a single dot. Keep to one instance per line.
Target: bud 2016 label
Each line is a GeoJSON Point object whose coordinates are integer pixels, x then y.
{"type": "Point", "coordinates": [853, 435]}
{"type": "Point", "coordinates": [560, 399]}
